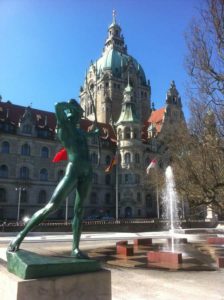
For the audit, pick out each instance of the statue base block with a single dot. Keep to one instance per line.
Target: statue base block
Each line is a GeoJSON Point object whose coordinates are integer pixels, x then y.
{"type": "Point", "coordinates": [29, 265]}
{"type": "Point", "coordinates": [92, 286]}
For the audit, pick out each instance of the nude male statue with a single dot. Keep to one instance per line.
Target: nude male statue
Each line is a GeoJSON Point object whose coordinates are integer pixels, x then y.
{"type": "Point", "coordinates": [78, 175]}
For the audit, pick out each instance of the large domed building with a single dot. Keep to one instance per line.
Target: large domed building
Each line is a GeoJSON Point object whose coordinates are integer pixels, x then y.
{"type": "Point", "coordinates": [107, 78]}
{"type": "Point", "coordinates": [131, 129]}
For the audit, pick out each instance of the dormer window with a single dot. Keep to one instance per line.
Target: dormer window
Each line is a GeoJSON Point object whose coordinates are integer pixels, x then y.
{"type": "Point", "coordinates": [27, 129]}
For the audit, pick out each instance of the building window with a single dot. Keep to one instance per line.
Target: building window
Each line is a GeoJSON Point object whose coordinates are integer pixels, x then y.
{"type": "Point", "coordinates": [44, 152]}
{"type": "Point", "coordinates": [148, 201]}
{"type": "Point", "coordinates": [94, 140]}
{"type": "Point", "coordinates": [25, 150]}
{"type": "Point", "coordinates": [107, 198]}
{"type": "Point", "coordinates": [127, 133]}
{"type": "Point", "coordinates": [60, 175]}
{"type": "Point", "coordinates": [93, 158]}
{"type": "Point", "coordinates": [107, 179]}
{"type": "Point", "coordinates": [27, 129]}
{"type": "Point", "coordinates": [95, 178]}
{"type": "Point", "coordinates": [137, 158]}
{"type": "Point", "coordinates": [119, 133]}
{"type": "Point", "coordinates": [5, 147]}
{"type": "Point", "coordinates": [24, 196]}
{"type": "Point", "coordinates": [139, 213]}
{"type": "Point", "coordinates": [127, 158]}
{"type": "Point", "coordinates": [137, 178]}
{"type": "Point", "coordinates": [24, 173]}
{"type": "Point", "coordinates": [119, 178]}
{"type": "Point", "coordinates": [42, 197]}
{"type": "Point", "coordinates": [4, 172]}
{"type": "Point", "coordinates": [93, 198]}
{"type": "Point", "coordinates": [107, 160]}
{"type": "Point", "coordinates": [43, 175]}
{"type": "Point", "coordinates": [2, 195]}
{"type": "Point", "coordinates": [128, 178]}
{"type": "Point", "coordinates": [139, 198]}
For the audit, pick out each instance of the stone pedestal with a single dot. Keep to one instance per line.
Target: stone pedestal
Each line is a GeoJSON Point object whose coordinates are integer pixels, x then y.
{"type": "Point", "coordinates": [94, 286]}
{"type": "Point", "coordinates": [220, 261]}
{"type": "Point", "coordinates": [215, 240]}
{"type": "Point", "coordinates": [122, 248]}
{"type": "Point", "coordinates": [165, 257]}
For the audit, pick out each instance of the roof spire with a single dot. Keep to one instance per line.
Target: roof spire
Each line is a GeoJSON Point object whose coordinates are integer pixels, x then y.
{"type": "Point", "coordinates": [114, 16]}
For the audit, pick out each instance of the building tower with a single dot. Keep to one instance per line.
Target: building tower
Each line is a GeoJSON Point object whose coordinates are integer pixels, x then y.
{"type": "Point", "coordinates": [107, 78]}
{"type": "Point", "coordinates": [130, 150]}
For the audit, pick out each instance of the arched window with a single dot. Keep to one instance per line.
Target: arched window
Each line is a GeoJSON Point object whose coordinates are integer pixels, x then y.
{"type": "Point", "coordinates": [44, 152]}
{"type": "Point", "coordinates": [107, 198]}
{"type": "Point", "coordinates": [119, 133]}
{"type": "Point", "coordinates": [25, 150]}
{"type": "Point", "coordinates": [137, 158]}
{"type": "Point", "coordinates": [127, 133]}
{"type": "Point", "coordinates": [127, 158]}
{"type": "Point", "coordinates": [93, 158]}
{"type": "Point", "coordinates": [60, 175]}
{"type": "Point", "coordinates": [107, 179]}
{"type": "Point", "coordinates": [93, 198]}
{"type": "Point", "coordinates": [135, 134]}
{"type": "Point", "coordinates": [24, 173]}
{"type": "Point", "coordinates": [2, 195]}
{"type": "Point", "coordinates": [107, 160]}
{"type": "Point", "coordinates": [42, 197]}
{"type": "Point", "coordinates": [4, 172]}
{"type": "Point", "coordinates": [43, 175]}
{"type": "Point", "coordinates": [95, 178]}
{"type": "Point", "coordinates": [5, 147]}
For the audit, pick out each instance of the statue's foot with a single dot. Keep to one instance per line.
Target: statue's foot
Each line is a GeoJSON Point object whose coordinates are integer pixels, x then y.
{"type": "Point", "coordinates": [79, 254]}
{"type": "Point", "coordinates": [14, 245]}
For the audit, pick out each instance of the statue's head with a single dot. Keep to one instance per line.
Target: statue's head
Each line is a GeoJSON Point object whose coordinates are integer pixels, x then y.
{"type": "Point", "coordinates": [75, 111]}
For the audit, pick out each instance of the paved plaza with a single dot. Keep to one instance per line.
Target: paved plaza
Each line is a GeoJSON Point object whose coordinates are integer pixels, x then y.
{"type": "Point", "coordinates": [133, 282]}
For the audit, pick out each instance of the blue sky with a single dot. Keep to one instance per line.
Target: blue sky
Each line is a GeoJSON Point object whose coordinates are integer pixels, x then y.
{"type": "Point", "coordinates": [47, 45]}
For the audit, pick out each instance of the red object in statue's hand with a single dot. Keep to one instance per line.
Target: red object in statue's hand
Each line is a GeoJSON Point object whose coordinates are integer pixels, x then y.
{"type": "Point", "coordinates": [61, 155]}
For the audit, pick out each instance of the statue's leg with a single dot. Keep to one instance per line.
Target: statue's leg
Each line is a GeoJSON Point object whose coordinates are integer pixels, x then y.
{"type": "Point", "coordinates": [63, 189]}
{"type": "Point", "coordinates": [82, 193]}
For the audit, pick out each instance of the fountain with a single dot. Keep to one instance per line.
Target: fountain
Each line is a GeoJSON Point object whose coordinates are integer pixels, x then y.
{"type": "Point", "coordinates": [170, 200]}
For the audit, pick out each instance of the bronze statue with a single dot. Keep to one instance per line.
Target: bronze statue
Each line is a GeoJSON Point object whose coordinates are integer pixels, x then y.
{"type": "Point", "coordinates": [78, 174]}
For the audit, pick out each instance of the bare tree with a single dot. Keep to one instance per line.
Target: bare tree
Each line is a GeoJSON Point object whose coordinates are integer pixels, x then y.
{"type": "Point", "coordinates": [205, 60]}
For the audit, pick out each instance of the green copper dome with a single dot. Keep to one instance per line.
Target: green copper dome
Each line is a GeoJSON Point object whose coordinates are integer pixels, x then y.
{"type": "Point", "coordinates": [117, 62]}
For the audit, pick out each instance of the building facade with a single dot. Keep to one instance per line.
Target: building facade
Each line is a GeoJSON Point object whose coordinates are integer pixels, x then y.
{"type": "Point", "coordinates": [116, 91]}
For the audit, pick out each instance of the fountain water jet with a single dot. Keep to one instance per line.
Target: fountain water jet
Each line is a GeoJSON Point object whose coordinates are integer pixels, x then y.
{"type": "Point", "coordinates": [170, 201]}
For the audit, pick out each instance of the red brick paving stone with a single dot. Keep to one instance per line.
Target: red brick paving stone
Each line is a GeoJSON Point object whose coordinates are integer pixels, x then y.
{"type": "Point", "coordinates": [220, 261]}
{"type": "Point", "coordinates": [172, 258]}
{"type": "Point", "coordinates": [122, 248]}
{"type": "Point", "coordinates": [215, 240]}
